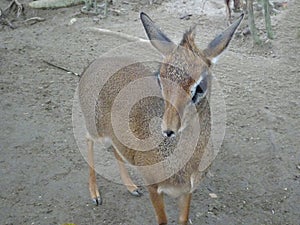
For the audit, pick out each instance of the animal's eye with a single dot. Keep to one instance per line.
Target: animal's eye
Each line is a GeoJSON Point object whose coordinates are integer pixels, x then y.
{"type": "Point", "coordinates": [199, 91]}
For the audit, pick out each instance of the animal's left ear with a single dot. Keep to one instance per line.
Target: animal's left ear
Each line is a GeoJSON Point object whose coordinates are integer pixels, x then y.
{"type": "Point", "coordinates": [220, 43]}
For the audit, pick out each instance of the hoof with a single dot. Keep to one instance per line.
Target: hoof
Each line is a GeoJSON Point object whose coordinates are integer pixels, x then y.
{"type": "Point", "coordinates": [137, 192]}
{"type": "Point", "coordinates": [97, 201]}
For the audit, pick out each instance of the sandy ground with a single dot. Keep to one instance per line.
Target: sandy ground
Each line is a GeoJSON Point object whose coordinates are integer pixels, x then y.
{"type": "Point", "coordinates": [256, 175]}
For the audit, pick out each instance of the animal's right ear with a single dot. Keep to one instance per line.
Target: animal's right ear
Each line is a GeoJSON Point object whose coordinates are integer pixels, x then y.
{"type": "Point", "coordinates": [157, 38]}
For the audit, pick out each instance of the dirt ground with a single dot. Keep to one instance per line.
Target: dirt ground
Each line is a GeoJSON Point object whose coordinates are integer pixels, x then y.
{"type": "Point", "coordinates": [256, 175]}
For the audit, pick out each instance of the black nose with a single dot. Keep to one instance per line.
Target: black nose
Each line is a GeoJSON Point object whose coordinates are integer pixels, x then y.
{"type": "Point", "coordinates": [169, 133]}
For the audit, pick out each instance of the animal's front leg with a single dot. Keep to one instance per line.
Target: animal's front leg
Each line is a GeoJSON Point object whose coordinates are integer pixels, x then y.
{"type": "Point", "coordinates": [158, 205]}
{"type": "Point", "coordinates": [184, 208]}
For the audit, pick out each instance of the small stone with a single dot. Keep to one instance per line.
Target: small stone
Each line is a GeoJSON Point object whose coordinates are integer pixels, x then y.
{"type": "Point", "coordinates": [213, 195]}
{"type": "Point", "coordinates": [72, 21]}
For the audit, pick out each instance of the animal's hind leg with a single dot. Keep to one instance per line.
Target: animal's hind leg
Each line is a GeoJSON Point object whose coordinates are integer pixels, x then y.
{"type": "Point", "coordinates": [131, 187]}
{"type": "Point", "coordinates": [94, 191]}
{"type": "Point", "coordinates": [228, 11]}
{"type": "Point", "coordinates": [237, 5]}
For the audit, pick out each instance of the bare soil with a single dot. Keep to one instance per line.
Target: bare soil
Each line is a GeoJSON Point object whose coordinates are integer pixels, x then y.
{"type": "Point", "coordinates": [44, 178]}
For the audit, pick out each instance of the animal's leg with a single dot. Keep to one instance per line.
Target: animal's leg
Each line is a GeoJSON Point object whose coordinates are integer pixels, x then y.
{"type": "Point", "coordinates": [131, 187]}
{"type": "Point", "coordinates": [158, 205]}
{"type": "Point", "coordinates": [237, 5]}
{"type": "Point", "coordinates": [94, 191]}
{"type": "Point", "coordinates": [228, 11]}
{"type": "Point", "coordinates": [184, 208]}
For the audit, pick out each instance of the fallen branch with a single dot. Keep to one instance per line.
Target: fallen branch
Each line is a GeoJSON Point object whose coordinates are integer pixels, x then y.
{"type": "Point", "coordinates": [61, 68]}
{"type": "Point", "coordinates": [186, 16]}
{"type": "Point", "coordinates": [53, 4]}
{"type": "Point", "coordinates": [114, 33]}
{"type": "Point", "coordinates": [34, 20]}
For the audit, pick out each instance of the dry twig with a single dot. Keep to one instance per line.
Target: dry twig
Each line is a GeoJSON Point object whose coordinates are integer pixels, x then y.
{"type": "Point", "coordinates": [61, 68]}
{"type": "Point", "coordinates": [34, 20]}
{"type": "Point", "coordinates": [114, 33]}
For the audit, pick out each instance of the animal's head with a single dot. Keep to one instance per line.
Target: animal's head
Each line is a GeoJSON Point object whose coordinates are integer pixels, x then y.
{"type": "Point", "coordinates": [184, 76]}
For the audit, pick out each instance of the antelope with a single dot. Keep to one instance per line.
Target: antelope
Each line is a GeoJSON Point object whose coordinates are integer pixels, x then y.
{"type": "Point", "coordinates": [183, 83]}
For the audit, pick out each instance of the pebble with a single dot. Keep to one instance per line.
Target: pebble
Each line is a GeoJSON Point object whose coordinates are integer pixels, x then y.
{"type": "Point", "coordinates": [213, 195]}
{"type": "Point", "coordinates": [72, 21]}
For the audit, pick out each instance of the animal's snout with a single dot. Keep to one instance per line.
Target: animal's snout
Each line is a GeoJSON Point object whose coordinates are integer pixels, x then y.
{"type": "Point", "coordinates": [171, 124]}
{"type": "Point", "coordinates": [169, 133]}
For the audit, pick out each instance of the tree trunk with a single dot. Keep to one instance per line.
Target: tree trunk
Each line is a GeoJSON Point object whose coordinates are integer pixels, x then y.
{"type": "Point", "coordinates": [251, 22]}
{"type": "Point", "coordinates": [266, 6]}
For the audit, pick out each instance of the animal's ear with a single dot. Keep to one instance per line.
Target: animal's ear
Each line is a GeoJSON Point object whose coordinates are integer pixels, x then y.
{"type": "Point", "coordinates": [158, 39]}
{"type": "Point", "coordinates": [220, 43]}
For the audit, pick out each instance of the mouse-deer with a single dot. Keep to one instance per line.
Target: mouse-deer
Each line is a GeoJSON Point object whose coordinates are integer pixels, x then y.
{"type": "Point", "coordinates": [184, 84]}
